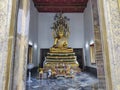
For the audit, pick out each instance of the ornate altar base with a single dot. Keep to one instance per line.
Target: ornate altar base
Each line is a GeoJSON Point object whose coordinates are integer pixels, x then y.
{"type": "Point", "coordinates": [61, 63]}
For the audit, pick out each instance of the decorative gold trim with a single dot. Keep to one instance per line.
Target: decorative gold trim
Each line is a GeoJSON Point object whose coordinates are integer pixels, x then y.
{"type": "Point", "coordinates": [119, 4]}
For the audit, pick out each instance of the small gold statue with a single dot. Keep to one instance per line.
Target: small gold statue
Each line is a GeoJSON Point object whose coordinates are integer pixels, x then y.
{"type": "Point", "coordinates": [41, 73]}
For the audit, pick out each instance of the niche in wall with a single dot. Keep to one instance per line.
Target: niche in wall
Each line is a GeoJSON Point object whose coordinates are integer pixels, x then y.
{"type": "Point", "coordinates": [30, 53]}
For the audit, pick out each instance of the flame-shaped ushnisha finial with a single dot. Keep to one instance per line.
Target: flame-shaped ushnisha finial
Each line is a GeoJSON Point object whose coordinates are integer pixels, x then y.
{"type": "Point", "coordinates": [60, 24]}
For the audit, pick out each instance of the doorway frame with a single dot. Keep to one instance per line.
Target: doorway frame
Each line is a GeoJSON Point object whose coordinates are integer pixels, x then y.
{"type": "Point", "coordinates": [104, 45]}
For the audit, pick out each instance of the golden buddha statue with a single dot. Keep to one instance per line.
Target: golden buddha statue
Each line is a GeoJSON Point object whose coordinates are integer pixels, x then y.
{"type": "Point", "coordinates": [61, 40]}
{"type": "Point", "coordinates": [60, 34]}
{"type": "Point", "coordinates": [60, 55]}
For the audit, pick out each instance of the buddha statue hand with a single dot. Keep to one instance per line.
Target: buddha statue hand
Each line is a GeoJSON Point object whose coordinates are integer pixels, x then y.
{"type": "Point", "coordinates": [54, 46]}
{"type": "Point", "coordinates": [65, 44]}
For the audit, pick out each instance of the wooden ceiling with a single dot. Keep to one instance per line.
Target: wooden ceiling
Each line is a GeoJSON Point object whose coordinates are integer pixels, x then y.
{"type": "Point", "coordinates": [67, 6]}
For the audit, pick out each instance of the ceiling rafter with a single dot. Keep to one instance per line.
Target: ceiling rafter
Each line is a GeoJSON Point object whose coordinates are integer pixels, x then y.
{"type": "Point", "coordinates": [60, 5]}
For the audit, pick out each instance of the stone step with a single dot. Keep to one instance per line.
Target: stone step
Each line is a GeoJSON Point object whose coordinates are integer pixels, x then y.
{"type": "Point", "coordinates": [65, 60]}
{"type": "Point", "coordinates": [61, 54]}
{"type": "Point", "coordinates": [61, 57]}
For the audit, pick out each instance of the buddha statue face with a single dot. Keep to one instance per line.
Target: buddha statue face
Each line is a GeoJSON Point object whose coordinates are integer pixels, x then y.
{"type": "Point", "coordinates": [60, 33]}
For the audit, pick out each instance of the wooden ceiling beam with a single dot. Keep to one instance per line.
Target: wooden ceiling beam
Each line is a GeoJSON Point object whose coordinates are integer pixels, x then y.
{"type": "Point", "coordinates": [60, 5]}
{"type": "Point", "coordinates": [81, 7]}
{"type": "Point", "coordinates": [60, 1]}
{"type": "Point", "coordinates": [60, 9]}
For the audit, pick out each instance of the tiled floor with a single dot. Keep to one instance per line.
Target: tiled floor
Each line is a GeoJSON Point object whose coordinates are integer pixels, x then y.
{"type": "Point", "coordinates": [82, 81]}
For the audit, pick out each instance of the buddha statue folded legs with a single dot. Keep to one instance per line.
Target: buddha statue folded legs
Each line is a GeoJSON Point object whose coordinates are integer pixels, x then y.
{"type": "Point", "coordinates": [64, 50]}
